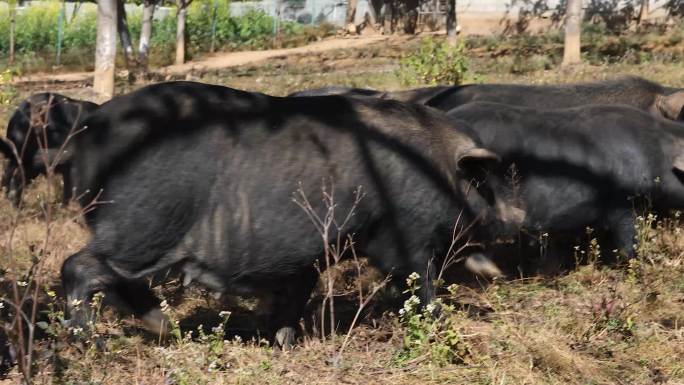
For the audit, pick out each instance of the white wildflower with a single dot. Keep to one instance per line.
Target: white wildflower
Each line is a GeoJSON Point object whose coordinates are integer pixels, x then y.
{"type": "Point", "coordinates": [414, 299]}
{"type": "Point", "coordinates": [430, 307]}
{"type": "Point", "coordinates": [412, 278]}
{"type": "Point", "coordinates": [213, 366]}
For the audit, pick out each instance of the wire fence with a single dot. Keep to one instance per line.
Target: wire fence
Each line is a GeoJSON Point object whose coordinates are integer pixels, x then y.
{"type": "Point", "coordinates": [303, 12]}
{"type": "Point", "coordinates": [476, 16]}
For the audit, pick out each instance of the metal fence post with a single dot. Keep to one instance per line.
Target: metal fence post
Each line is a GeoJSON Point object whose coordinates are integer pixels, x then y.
{"type": "Point", "coordinates": [60, 32]}
{"type": "Point", "coordinates": [313, 11]}
{"type": "Point", "coordinates": [213, 26]}
{"type": "Point", "coordinates": [276, 19]}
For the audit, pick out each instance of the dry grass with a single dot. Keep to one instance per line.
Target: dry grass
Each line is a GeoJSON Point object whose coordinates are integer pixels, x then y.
{"type": "Point", "coordinates": [595, 325]}
{"type": "Point", "coordinates": [544, 331]}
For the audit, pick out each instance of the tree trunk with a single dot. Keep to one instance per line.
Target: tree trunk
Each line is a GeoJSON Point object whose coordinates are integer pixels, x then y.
{"type": "Point", "coordinates": [146, 32]}
{"type": "Point", "coordinates": [351, 16]}
{"type": "Point", "coordinates": [182, 11]}
{"type": "Point", "coordinates": [12, 28]}
{"type": "Point", "coordinates": [573, 25]}
{"type": "Point", "coordinates": [643, 12]}
{"type": "Point", "coordinates": [393, 18]}
{"type": "Point", "coordinates": [124, 34]}
{"type": "Point", "coordinates": [371, 16]}
{"type": "Point", "coordinates": [105, 51]}
{"type": "Point", "coordinates": [451, 23]}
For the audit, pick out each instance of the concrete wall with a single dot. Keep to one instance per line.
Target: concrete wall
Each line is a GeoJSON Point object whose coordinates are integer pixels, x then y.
{"type": "Point", "coordinates": [474, 16]}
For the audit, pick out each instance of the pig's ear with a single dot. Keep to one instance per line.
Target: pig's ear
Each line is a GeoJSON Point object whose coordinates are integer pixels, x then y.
{"type": "Point", "coordinates": [678, 164]}
{"type": "Point", "coordinates": [672, 106]}
{"type": "Point", "coordinates": [477, 158]}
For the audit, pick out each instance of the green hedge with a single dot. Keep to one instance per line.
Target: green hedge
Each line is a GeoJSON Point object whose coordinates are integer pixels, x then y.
{"type": "Point", "coordinates": [37, 29]}
{"type": "Point", "coordinates": [37, 26]}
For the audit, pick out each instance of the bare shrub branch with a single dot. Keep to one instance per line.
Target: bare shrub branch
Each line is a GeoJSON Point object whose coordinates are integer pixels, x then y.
{"type": "Point", "coordinates": [332, 232]}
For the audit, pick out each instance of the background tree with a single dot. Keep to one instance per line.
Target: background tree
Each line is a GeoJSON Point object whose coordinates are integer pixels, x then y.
{"type": "Point", "coordinates": [146, 31]}
{"type": "Point", "coordinates": [643, 11]}
{"type": "Point", "coordinates": [675, 8]}
{"type": "Point", "coordinates": [351, 16]}
{"type": "Point", "coordinates": [124, 34]}
{"type": "Point", "coordinates": [451, 23]}
{"type": "Point", "coordinates": [573, 26]}
{"type": "Point", "coordinates": [181, 14]}
{"type": "Point", "coordinates": [105, 50]}
{"type": "Point", "coordinates": [12, 30]}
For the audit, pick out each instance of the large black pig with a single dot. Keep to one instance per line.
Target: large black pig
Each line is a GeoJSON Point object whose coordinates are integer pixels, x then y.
{"type": "Point", "coordinates": [416, 95]}
{"type": "Point", "coordinates": [201, 178]}
{"type": "Point", "coordinates": [666, 102]}
{"type": "Point", "coordinates": [567, 169]}
{"type": "Point", "coordinates": [336, 90]}
{"type": "Point", "coordinates": [42, 121]}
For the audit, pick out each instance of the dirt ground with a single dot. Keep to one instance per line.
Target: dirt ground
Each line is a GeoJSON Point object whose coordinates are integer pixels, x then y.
{"type": "Point", "coordinates": [364, 61]}
{"type": "Point", "coordinates": [225, 60]}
